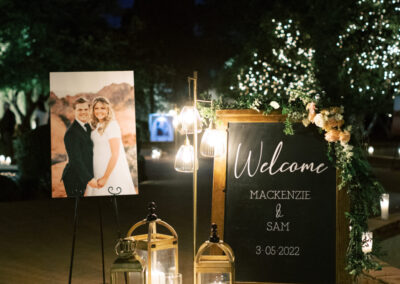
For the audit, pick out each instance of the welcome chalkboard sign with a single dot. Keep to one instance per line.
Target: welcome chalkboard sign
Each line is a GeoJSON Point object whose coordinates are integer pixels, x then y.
{"type": "Point", "coordinates": [280, 212]}
{"type": "Point", "coordinates": [280, 204]}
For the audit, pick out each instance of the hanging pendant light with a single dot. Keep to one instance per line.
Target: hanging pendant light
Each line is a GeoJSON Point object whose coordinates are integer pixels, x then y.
{"type": "Point", "coordinates": [213, 143]}
{"type": "Point", "coordinates": [187, 118]}
{"type": "Point", "coordinates": [184, 158]}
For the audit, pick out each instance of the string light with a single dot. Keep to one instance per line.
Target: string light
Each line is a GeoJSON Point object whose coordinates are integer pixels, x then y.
{"type": "Point", "coordinates": [377, 32]}
{"type": "Point", "coordinates": [273, 77]}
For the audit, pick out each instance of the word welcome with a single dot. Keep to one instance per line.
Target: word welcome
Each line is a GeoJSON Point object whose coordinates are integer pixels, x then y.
{"type": "Point", "coordinates": [271, 168]}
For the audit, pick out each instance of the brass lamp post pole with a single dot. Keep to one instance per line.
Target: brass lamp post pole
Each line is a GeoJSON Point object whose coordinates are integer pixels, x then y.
{"type": "Point", "coordinates": [195, 166]}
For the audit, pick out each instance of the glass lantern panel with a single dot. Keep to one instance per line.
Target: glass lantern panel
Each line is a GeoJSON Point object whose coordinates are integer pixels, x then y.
{"type": "Point", "coordinates": [121, 277]}
{"type": "Point", "coordinates": [162, 263]}
{"type": "Point", "coordinates": [213, 278]}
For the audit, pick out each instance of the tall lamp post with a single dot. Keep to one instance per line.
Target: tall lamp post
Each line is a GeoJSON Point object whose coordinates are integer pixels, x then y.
{"type": "Point", "coordinates": [187, 158]}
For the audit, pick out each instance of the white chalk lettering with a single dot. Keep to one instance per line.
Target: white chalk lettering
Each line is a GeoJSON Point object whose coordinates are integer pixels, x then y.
{"type": "Point", "coordinates": [269, 166]}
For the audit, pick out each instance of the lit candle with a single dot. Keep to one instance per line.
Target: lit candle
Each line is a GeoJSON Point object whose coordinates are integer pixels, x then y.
{"type": "Point", "coordinates": [157, 277]}
{"type": "Point", "coordinates": [367, 242]}
{"type": "Point", "coordinates": [220, 279]}
{"type": "Point", "coordinates": [385, 206]}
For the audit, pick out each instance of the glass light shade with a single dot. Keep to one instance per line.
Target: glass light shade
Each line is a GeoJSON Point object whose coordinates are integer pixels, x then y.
{"type": "Point", "coordinates": [184, 159]}
{"type": "Point", "coordinates": [213, 143]}
{"type": "Point", "coordinates": [371, 150]}
{"type": "Point", "coordinates": [158, 250]}
{"type": "Point", "coordinates": [211, 268]}
{"type": "Point", "coordinates": [187, 117]}
{"type": "Point", "coordinates": [128, 268]}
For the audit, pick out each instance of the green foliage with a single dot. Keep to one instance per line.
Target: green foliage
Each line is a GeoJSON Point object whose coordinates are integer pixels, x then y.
{"type": "Point", "coordinates": [288, 130]}
{"type": "Point", "coordinates": [370, 50]}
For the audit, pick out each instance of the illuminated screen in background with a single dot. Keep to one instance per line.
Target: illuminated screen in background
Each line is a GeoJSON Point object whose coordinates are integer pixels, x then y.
{"type": "Point", "coordinates": [161, 128]}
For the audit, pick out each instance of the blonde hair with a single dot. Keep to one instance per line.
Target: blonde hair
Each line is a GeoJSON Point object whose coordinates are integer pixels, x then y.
{"type": "Point", "coordinates": [110, 116]}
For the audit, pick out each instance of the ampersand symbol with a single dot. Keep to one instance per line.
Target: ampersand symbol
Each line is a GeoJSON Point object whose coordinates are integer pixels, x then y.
{"type": "Point", "coordinates": [278, 211]}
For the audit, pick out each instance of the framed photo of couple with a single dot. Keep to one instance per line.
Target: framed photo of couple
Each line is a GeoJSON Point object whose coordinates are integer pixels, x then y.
{"type": "Point", "coordinates": [93, 134]}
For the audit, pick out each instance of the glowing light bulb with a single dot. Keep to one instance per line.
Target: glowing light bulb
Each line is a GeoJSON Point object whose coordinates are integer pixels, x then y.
{"type": "Point", "coordinates": [213, 143]}
{"type": "Point", "coordinates": [187, 117]}
{"type": "Point", "coordinates": [184, 158]}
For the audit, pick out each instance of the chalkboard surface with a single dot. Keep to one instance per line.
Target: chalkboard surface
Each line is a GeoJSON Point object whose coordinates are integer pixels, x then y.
{"type": "Point", "coordinates": [280, 212]}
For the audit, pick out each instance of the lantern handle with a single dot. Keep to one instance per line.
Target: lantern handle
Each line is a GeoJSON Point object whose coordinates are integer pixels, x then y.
{"type": "Point", "coordinates": [222, 245]}
{"type": "Point", "coordinates": [168, 226]}
{"type": "Point", "coordinates": [134, 227]}
{"type": "Point", "coordinates": [158, 221]}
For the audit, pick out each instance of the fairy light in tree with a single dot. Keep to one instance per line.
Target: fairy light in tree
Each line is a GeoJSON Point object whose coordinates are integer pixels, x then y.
{"type": "Point", "coordinates": [290, 66]}
{"type": "Point", "coordinates": [372, 41]}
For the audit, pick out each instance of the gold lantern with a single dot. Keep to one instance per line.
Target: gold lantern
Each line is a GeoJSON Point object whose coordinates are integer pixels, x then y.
{"type": "Point", "coordinates": [214, 268]}
{"type": "Point", "coordinates": [159, 251]}
{"type": "Point", "coordinates": [128, 268]}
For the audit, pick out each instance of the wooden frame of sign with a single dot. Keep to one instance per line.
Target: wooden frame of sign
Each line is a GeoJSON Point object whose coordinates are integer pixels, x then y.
{"type": "Point", "coordinates": [218, 215]}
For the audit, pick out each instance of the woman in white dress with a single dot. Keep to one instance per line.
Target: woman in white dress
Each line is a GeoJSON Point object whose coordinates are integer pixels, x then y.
{"type": "Point", "coordinates": [110, 167]}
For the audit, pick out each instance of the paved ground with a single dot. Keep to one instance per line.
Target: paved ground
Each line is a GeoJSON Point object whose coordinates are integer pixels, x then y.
{"type": "Point", "coordinates": [35, 236]}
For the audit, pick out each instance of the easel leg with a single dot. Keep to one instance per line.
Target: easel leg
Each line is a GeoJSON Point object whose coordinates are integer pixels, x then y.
{"type": "Point", "coordinates": [119, 235]}
{"type": "Point", "coordinates": [73, 238]}
{"type": "Point", "coordinates": [102, 240]}
{"type": "Point", "coordinates": [114, 200]}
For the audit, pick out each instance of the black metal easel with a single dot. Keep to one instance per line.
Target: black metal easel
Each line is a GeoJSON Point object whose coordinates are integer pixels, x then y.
{"type": "Point", "coordinates": [73, 238]}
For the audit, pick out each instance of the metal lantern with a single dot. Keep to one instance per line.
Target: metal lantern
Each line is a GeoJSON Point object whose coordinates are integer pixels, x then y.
{"type": "Point", "coordinates": [128, 268]}
{"type": "Point", "coordinates": [159, 251]}
{"type": "Point", "coordinates": [214, 268]}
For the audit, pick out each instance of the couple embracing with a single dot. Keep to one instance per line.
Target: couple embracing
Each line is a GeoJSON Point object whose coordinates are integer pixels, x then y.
{"type": "Point", "coordinates": [97, 164]}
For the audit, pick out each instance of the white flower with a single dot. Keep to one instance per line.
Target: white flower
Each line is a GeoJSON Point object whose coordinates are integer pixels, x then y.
{"type": "Point", "coordinates": [320, 120]}
{"type": "Point", "coordinates": [255, 104]}
{"type": "Point", "coordinates": [274, 104]}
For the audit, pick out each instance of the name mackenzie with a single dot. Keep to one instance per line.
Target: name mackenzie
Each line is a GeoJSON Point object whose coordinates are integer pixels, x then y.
{"type": "Point", "coordinates": [281, 194]}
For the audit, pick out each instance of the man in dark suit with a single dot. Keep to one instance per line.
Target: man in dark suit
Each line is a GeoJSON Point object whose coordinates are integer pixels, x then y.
{"type": "Point", "coordinates": [78, 173]}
